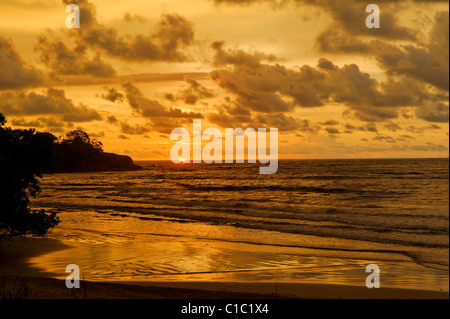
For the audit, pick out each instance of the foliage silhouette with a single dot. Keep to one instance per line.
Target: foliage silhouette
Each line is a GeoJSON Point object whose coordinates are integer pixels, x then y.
{"type": "Point", "coordinates": [77, 152]}
{"type": "Point", "coordinates": [82, 139]}
{"type": "Point", "coordinates": [24, 155]}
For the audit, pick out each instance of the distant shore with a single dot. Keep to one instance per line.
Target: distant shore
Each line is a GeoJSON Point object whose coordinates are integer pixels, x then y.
{"type": "Point", "coordinates": [14, 262]}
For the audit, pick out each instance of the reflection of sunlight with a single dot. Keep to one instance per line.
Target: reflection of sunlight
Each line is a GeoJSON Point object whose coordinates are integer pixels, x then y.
{"type": "Point", "coordinates": [168, 251]}
{"type": "Point", "coordinates": [182, 160]}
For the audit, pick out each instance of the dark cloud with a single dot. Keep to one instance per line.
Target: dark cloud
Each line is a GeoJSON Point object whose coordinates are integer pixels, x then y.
{"type": "Point", "coordinates": [93, 42]}
{"type": "Point", "coordinates": [113, 95]}
{"type": "Point", "coordinates": [15, 73]}
{"type": "Point", "coordinates": [165, 42]}
{"type": "Point", "coordinates": [406, 137]}
{"type": "Point", "coordinates": [195, 92]}
{"type": "Point", "coordinates": [332, 130]}
{"type": "Point", "coordinates": [423, 59]}
{"type": "Point", "coordinates": [158, 117]}
{"type": "Point", "coordinates": [49, 124]}
{"type": "Point", "coordinates": [348, 15]}
{"type": "Point", "coordinates": [422, 129]}
{"type": "Point", "coordinates": [112, 120]}
{"type": "Point", "coordinates": [392, 127]}
{"type": "Point", "coordinates": [192, 94]}
{"type": "Point", "coordinates": [50, 102]}
{"type": "Point", "coordinates": [275, 88]}
{"type": "Point", "coordinates": [285, 123]}
{"type": "Point", "coordinates": [330, 123]}
{"type": "Point", "coordinates": [388, 139]}
{"type": "Point", "coordinates": [62, 60]}
{"type": "Point", "coordinates": [434, 112]}
{"type": "Point", "coordinates": [259, 120]}
{"type": "Point", "coordinates": [152, 108]}
{"type": "Point", "coordinates": [426, 60]}
{"type": "Point", "coordinates": [416, 62]}
{"type": "Point", "coordinates": [166, 125]}
{"type": "Point", "coordinates": [129, 129]}
{"type": "Point", "coordinates": [134, 129]}
{"type": "Point", "coordinates": [238, 57]}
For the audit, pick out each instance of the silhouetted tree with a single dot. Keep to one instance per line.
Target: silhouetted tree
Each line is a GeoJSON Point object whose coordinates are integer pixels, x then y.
{"type": "Point", "coordinates": [81, 138]}
{"type": "Point", "coordinates": [77, 152]}
{"type": "Point", "coordinates": [23, 155]}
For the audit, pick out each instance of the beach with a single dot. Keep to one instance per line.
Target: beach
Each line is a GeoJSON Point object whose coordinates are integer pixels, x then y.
{"type": "Point", "coordinates": [15, 266]}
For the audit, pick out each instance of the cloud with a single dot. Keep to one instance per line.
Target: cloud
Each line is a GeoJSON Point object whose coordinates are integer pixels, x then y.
{"type": "Point", "coordinates": [399, 49]}
{"type": "Point", "coordinates": [421, 130]}
{"type": "Point", "coordinates": [152, 108]}
{"type": "Point", "coordinates": [170, 36]}
{"type": "Point", "coordinates": [281, 121]}
{"type": "Point", "coordinates": [112, 120]}
{"type": "Point", "coordinates": [134, 129]}
{"type": "Point", "coordinates": [165, 125]}
{"type": "Point", "coordinates": [388, 139]}
{"type": "Point", "coordinates": [15, 73]}
{"type": "Point", "coordinates": [50, 102]}
{"type": "Point", "coordinates": [332, 130]}
{"type": "Point", "coordinates": [62, 60]}
{"type": "Point", "coordinates": [192, 94]}
{"type": "Point", "coordinates": [434, 112]}
{"type": "Point", "coordinates": [195, 92]}
{"type": "Point", "coordinates": [416, 62]}
{"type": "Point", "coordinates": [238, 57]}
{"type": "Point", "coordinates": [113, 95]}
{"type": "Point", "coordinates": [267, 88]}
{"type": "Point", "coordinates": [330, 123]}
{"type": "Point", "coordinates": [426, 60]}
{"type": "Point", "coordinates": [348, 15]}
{"type": "Point", "coordinates": [49, 124]}
{"type": "Point", "coordinates": [93, 42]}
{"type": "Point", "coordinates": [392, 127]}
{"type": "Point", "coordinates": [285, 123]}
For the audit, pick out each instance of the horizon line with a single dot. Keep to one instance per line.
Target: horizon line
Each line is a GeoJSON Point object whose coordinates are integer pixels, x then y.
{"type": "Point", "coordinates": [307, 159]}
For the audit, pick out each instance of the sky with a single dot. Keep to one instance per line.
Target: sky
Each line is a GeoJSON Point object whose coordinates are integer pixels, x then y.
{"type": "Point", "coordinates": [135, 70]}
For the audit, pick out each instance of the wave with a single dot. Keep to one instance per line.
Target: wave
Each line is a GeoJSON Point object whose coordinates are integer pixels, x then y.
{"type": "Point", "coordinates": [247, 188]}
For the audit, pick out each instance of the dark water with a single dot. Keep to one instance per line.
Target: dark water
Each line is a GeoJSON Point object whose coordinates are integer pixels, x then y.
{"type": "Point", "coordinates": [383, 208]}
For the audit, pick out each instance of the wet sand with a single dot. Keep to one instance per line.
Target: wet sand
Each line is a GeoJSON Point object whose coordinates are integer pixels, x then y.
{"type": "Point", "coordinates": [15, 262]}
{"type": "Point", "coordinates": [48, 288]}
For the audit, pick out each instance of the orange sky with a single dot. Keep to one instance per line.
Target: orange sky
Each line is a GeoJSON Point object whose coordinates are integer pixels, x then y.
{"type": "Point", "coordinates": [136, 70]}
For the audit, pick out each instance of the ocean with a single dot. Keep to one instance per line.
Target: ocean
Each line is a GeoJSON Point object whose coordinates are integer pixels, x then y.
{"type": "Point", "coordinates": [316, 221]}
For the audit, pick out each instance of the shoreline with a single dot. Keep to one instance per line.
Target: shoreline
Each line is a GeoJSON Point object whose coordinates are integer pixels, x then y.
{"type": "Point", "coordinates": [49, 288]}
{"type": "Point", "coordinates": [14, 263]}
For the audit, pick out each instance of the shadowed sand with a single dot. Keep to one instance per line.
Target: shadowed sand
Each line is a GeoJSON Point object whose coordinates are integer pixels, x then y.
{"type": "Point", "coordinates": [14, 262]}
